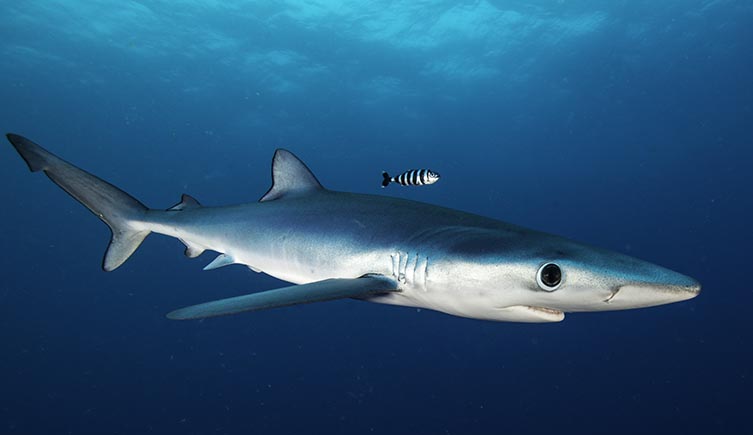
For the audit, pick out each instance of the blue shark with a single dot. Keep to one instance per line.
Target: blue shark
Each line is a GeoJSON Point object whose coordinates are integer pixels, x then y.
{"type": "Point", "coordinates": [335, 245]}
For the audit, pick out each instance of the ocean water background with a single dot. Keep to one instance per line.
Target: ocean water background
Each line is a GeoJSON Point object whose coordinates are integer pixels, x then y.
{"type": "Point", "coordinates": [624, 124]}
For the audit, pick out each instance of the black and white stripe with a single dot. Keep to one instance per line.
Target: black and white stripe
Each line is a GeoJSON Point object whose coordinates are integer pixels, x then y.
{"type": "Point", "coordinates": [414, 177]}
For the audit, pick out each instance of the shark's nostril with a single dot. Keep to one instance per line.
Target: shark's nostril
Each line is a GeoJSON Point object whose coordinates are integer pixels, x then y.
{"type": "Point", "coordinates": [637, 295]}
{"type": "Point", "coordinates": [614, 293]}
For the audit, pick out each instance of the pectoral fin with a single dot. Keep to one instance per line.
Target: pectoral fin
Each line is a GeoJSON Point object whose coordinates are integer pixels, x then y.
{"type": "Point", "coordinates": [319, 291]}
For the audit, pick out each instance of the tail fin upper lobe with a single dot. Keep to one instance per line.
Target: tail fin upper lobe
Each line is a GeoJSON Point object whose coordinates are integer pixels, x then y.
{"type": "Point", "coordinates": [386, 179]}
{"type": "Point", "coordinates": [119, 210]}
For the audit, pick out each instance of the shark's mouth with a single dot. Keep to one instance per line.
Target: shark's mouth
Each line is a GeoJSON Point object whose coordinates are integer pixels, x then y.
{"type": "Point", "coordinates": [546, 311]}
{"type": "Point", "coordinates": [530, 314]}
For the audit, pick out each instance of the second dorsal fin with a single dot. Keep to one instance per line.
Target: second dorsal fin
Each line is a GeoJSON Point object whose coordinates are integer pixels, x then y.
{"type": "Point", "coordinates": [290, 177]}
{"type": "Point", "coordinates": [186, 202]}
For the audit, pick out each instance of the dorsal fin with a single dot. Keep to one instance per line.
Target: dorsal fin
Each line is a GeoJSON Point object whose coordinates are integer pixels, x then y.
{"type": "Point", "coordinates": [186, 202]}
{"type": "Point", "coordinates": [290, 177]}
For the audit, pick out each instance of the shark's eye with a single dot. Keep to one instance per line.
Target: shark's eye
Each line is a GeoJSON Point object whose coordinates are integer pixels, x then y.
{"type": "Point", "coordinates": [549, 277]}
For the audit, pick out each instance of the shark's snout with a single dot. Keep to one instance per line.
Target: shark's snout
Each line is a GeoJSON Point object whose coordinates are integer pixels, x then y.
{"type": "Point", "coordinates": [674, 287]}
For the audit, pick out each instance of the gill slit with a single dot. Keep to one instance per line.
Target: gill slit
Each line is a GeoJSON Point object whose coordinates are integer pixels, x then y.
{"type": "Point", "coordinates": [410, 269]}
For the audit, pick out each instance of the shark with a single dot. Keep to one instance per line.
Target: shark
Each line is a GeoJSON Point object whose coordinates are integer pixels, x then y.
{"type": "Point", "coordinates": [334, 245]}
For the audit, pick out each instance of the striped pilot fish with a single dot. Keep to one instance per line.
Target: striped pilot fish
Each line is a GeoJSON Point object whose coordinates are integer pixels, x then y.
{"type": "Point", "coordinates": [414, 177]}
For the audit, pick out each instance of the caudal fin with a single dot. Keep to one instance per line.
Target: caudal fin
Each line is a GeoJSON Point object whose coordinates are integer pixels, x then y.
{"type": "Point", "coordinates": [386, 179]}
{"type": "Point", "coordinates": [119, 210]}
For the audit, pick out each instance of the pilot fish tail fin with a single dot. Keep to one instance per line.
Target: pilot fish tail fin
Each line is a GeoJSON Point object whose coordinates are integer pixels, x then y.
{"type": "Point", "coordinates": [386, 179]}
{"type": "Point", "coordinates": [121, 212]}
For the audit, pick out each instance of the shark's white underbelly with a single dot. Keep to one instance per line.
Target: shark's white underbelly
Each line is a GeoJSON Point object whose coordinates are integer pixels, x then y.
{"type": "Point", "coordinates": [299, 261]}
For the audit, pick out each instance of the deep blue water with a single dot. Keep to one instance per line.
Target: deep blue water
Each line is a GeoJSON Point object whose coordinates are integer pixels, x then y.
{"type": "Point", "coordinates": [623, 124]}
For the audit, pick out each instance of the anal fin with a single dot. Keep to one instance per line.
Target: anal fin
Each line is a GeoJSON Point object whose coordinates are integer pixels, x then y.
{"type": "Point", "coordinates": [220, 261]}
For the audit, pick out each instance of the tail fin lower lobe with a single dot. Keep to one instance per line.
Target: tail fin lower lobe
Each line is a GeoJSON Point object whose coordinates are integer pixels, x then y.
{"type": "Point", "coordinates": [119, 210]}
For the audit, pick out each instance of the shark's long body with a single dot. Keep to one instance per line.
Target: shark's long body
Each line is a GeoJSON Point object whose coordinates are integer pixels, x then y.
{"type": "Point", "coordinates": [376, 248]}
